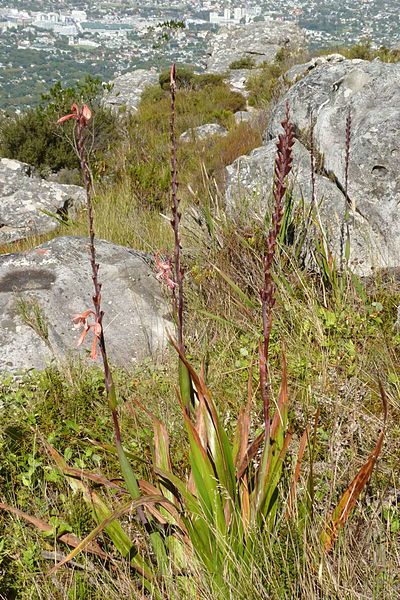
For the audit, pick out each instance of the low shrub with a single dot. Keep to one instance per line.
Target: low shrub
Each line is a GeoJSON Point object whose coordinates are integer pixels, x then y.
{"type": "Point", "coordinates": [34, 138]}
{"type": "Point", "coordinates": [365, 51]}
{"type": "Point", "coordinates": [246, 62]}
{"type": "Point", "coordinates": [186, 78]}
{"type": "Point", "coordinates": [265, 85]}
{"type": "Point", "coordinates": [147, 156]}
{"type": "Point", "coordinates": [268, 83]}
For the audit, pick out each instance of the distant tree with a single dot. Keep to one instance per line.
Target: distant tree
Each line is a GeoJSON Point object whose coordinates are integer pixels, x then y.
{"type": "Point", "coordinates": [33, 137]}
{"type": "Point", "coordinates": [172, 24]}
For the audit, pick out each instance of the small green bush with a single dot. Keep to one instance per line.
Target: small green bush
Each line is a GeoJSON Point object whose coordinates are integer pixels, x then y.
{"type": "Point", "coordinates": [208, 79]}
{"type": "Point", "coordinates": [268, 83]}
{"type": "Point", "coordinates": [265, 85]}
{"type": "Point", "coordinates": [187, 79]}
{"type": "Point", "coordinates": [184, 78]}
{"type": "Point", "coordinates": [33, 137]}
{"type": "Point", "coordinates": [246, 62]}
{"type": "Point", "coordinates": [366, 51]}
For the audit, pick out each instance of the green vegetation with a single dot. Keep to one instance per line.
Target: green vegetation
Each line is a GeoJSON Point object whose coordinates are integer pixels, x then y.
{"type": "Point", "coordinates": [333, 342]}
{"type": "Point", "coordinates": [225, 536]}
{"type": "Point", "coordinates": [268, 81]}
{"type": "Point", "coordinates": [366, 51]}
{"type": "Point", "coordinates": [246, 62]}
{"type": "Point", "coordinates": [33, 137]}
{"type": "Point", "coordinates": [147, 157]}
{"type": "Point", "coordinates": [187, 79]}
{"type": "Point", "coordinates": [172, 24]}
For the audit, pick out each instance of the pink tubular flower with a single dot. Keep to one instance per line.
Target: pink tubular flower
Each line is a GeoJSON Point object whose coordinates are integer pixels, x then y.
{"type": "Point", "coordinates": [81, 320]}
{"type": "Point", "coordinates": [164, 271]}
{"type": "Point", "coordinates": [81, 114]}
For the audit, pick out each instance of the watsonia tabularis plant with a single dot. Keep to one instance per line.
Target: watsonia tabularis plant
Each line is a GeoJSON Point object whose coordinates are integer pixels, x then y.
{"type": "Point", "coordinates": [234, 488]}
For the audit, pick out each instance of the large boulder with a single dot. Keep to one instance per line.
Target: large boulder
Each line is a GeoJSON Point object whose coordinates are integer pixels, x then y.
{"type": "Point", "coordinates": [127, 90]}
{"type": "Point", "coordinates": [249, 184]}
{"type": "Point", "coordinates": [259, 41]}
{"type": "Point", "coordinates": [30, 205]}
{"type": "Point", "coordinates": [250, 178]}
{"type": "Point", "coordinates": [53, 282]}
{"type": "Point", "coordinates": [326, 93]}
{"type": "Point", "coordinates": [370, 93]}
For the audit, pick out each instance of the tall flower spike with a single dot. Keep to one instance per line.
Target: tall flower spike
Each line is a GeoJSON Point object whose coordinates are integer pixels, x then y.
{"type": "Point", "coordinates": [283, 165]}
{"type": "Point", "coordinates": [178, 299]}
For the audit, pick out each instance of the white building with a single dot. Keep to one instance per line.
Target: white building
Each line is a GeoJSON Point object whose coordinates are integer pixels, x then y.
{"type": "Point", "coordinates": [235, 16]}
{"type": "Point", "coordinates": [67, 30]}
{"type": "Point", "coordinates": [80, 16]}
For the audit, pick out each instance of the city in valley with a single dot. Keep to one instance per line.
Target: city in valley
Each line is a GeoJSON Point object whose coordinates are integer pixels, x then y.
{"type": "Point", "coordinates": [44, 41]}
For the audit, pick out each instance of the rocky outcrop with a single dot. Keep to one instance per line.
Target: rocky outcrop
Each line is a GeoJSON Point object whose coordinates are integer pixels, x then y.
{"type": "Point", "coordinates": [371, 91]}
{"type": "Point", "coordinates": [203, 132]}
{"type": "Point", "coordinates": [249, 187]}
{"type": "Point", "coordinates": [237, 79]}
{"type": "Point", "coordinates": [128, 88]}
{"type": "Point", "coordinates": [30, 205]}
{"type": "Point", "coordinates": [258, 41]}
{"type": "Point", "coordinates": [298, 71]}
{"type": "Point", "coordinates": [52, 283]}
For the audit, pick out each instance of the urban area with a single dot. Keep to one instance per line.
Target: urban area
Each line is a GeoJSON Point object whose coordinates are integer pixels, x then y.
{"type": "Point", "coordinates": [43, 41]}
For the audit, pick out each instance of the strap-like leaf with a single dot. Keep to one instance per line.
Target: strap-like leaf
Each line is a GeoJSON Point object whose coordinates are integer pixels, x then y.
{"type": "Point", "coordinates": [296, 474]}
{"type": "Point", "coordinates": [101, 511]}
{"type": "Point", "coordinates": [243, 299]}
{"type": "Point", "coordinates": [68, 538]}
{"type": "Point", "coordinates": [221, 451]}
{"type": "Point", "coordinates": [351, 495]}
{"type": "Point", "coordinates": [243, 424]}
{"type": "Point", "coordinates": [131, 505]}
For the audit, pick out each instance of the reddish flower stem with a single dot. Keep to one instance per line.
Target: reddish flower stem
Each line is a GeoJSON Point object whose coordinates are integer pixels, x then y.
{"type": "Point", "coordinates": [80, 127]}
{"type": "Point", "coordinates": [283, 165]}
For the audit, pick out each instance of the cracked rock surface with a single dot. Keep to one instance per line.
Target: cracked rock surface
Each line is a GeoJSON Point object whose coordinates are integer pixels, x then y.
{"type": "Point", "coordinates": [56, 279]}
{"type": "Point", "coordinates": [371, 91]}
{"type": "Point", "coordinates": [30, 205]}
{"type": "Point", "coordinates": [128, 88]}
{"type": "Point", "coordinates": [259, 41]}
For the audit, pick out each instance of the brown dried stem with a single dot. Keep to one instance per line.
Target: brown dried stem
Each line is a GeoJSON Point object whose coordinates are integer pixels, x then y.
{"type": "Point", "coordinates": [178, 299]}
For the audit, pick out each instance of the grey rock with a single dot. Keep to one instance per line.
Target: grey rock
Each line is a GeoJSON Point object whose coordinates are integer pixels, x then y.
{"type": "Point", "coordinates": [28, 202]}
{"type": "Point", "coordinates": [243, 116]}
{"type": "Point", "coordinates": [203, 132]}
{"type": "Point", "coordinates": [298, 71]}
{"type": "Point", "coordinates": [237, 79]}
{"type": "Point", "coordinates": [371, 91]}
{"type": "Point", "coordinates": [128, 89]}
{"type": "Point", "coordinates": [57, 277]}
{"type": "Point", "coordinates": [259, 41]}
{"type": "Point", "coordinates": [249, 187]}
